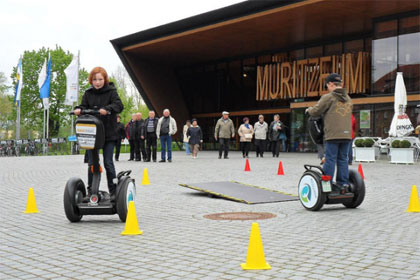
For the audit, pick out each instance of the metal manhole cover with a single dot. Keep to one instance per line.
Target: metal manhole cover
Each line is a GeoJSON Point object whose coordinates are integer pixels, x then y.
{"type": "Point", "coordinates": [241, 216]}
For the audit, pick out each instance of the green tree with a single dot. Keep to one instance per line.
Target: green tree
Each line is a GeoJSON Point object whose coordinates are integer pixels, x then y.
{"type": "Point", "coordinates": [128, 94]}
{"type": "Point", "coordinates": [127, 101]}
{"type": "Point", "coordinates": [31, 104]}
{"type": "Point", "coordinates": [6, 105]}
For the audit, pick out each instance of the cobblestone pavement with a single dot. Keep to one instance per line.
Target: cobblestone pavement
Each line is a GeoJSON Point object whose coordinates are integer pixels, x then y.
{"type": "Point", "coordinates": [376, 241]}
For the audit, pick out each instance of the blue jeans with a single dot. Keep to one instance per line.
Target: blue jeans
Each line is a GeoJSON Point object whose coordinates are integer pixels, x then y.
{"type": "Point", "coordinates": [166, 142]}
{"type": "Point", "coordinates": [351, 151]}
{"type": "Point", "coordinates": [337, 153]}
{"type": "Point", "coordinates": [187, 148]}
{"type": "Point", "coordinates": [107, 151]}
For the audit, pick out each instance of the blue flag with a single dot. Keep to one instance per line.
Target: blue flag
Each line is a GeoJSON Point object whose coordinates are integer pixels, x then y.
{"type": "Point", "coordinates": [44, 91]}
{"type": "Point", "coordinates": [19, 82]}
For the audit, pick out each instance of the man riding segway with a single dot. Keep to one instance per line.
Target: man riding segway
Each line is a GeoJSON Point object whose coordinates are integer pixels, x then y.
{"type": "Point", "coordinates": [336, 108]}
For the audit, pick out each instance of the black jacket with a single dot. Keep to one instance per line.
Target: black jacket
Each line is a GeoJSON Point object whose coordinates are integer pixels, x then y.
{"type": "Point", "coordinates": [131, 130]}
{"type": "Point", "coordinates": [121, 130]}
{"type": "Point", "coordinates": [146, 121]}
{"type": "Point", "coordinates": [139, 129]}
{"type": "Point", "coordinates": [104, 98]}
{"type": "Point", "coordinates": [273, 135]}
{"type": "Point", "coordinates": [195, 134]}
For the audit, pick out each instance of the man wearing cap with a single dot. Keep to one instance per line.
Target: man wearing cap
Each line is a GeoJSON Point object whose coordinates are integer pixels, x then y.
{"type": "Point", "coordinates": [336, 108]}
{"type": "Point", "coordinates": [223, 132]}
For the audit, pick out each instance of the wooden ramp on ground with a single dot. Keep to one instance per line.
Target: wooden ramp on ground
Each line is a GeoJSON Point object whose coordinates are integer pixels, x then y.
{"type": "Point", "coordinates": [241, 192]}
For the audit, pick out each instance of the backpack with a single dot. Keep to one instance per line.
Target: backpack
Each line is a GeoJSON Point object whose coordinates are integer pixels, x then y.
{"type": "Point", "coordinates": [316, 129]}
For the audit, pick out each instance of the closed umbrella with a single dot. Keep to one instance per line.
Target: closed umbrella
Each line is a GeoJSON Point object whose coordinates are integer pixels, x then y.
{"type": "Point", "coordinates": [401, 124]}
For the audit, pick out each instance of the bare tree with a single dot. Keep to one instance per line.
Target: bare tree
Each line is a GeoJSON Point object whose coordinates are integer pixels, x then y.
{"type": "Point", "coordinates": [124, 81]}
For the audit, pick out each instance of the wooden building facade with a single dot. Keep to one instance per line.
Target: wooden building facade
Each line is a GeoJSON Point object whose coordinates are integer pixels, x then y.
{"type": "Point", "coordinates": [272, 57]}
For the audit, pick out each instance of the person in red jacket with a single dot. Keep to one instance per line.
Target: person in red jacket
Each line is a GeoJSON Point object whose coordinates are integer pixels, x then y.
{"type": "Point", "coordinates": [353, 135]}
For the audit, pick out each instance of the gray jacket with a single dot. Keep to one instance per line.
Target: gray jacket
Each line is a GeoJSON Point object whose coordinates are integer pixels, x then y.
{"type": "Point", "coordinates": [260, 130]}
{"type": "Point", "coordinates": [224, 128]}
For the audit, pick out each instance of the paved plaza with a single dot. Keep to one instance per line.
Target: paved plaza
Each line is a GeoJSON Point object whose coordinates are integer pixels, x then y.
{"type": "Point", "coordinates": [376, 241]}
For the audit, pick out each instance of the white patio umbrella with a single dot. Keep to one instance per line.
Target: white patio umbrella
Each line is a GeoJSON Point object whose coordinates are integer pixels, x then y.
{"type": "Point", "coordinates": [401, 124]}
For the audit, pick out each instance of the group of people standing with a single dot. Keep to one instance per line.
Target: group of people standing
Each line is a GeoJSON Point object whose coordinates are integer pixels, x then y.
{"type": "Point", "coordinates": [142, 135]}
{"type": "Point", "coordinates": [260, 132]}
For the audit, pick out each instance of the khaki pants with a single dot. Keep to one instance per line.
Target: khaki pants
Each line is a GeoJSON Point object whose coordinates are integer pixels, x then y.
{"type": "Point", "coordinates": [194, 149]}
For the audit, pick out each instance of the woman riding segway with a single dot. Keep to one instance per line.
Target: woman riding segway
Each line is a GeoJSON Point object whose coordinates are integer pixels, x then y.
{"type": "Point", "coordinates": [103, 96]}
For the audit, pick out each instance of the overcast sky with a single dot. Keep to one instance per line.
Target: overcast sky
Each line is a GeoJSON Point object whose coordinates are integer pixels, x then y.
{"type": "Point", "coordinates": [85, 25]}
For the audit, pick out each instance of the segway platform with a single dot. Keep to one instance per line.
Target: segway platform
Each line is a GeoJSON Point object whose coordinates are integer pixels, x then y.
{"type": "Point", "coordinates": [241, 192]}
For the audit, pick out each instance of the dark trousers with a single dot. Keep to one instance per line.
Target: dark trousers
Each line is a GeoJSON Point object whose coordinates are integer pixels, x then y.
{"type": "Point", "coordinates": [107, 151]}
{"type": "Point", "coordinates": [117, 149]}
{"type": "Point", "coordinates": [245, 147]}
{"type": "Point", "coordinates": [140, 149]}
{"type": "Point", "coordinates": [260, 146]}
{"type": "Point", "coordinates": [166, 143]}
{"type": "Point", "coordinates": [275, 148]}
{"type": "Point", "coordinates": [224, 146]}
{"type": "Point", "coordinates": [132, 148]}
{"type": "Point", "coordinates": [151, 140]}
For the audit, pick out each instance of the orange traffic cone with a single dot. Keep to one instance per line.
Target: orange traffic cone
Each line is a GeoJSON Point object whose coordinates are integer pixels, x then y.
{"type": "Point", "coordinates": [280, 171]}
{"type": "Point", "coordinates": [247, 168]}
{"type": "Point", "coordinates": [360, 169]}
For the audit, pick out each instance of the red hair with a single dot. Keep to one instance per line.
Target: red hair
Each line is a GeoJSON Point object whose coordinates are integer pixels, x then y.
{"type": "Point", "coordinates": [98, 70]}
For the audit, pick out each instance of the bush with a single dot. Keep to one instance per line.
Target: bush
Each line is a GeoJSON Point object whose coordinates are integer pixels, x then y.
{"type": "Point", "coordinates": [405, 144]}
{"type": "Point", "coordinates": [395, 144]}
{"type": "Point", "coordinates": [358, 143]}
{"type": "Point", "coordinates": [368, 142]}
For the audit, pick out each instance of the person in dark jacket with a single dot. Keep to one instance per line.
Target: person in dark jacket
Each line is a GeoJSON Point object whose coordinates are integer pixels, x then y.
{"type": "Point", "coordinates": [274, 135]}
{"type": "Point", "coordinates": [104, 97]}
{"type": "Point", "coordinates": [130, 132]}
{"type": "Point", "coordinates": [195, 135]}
{"type": "Point", "coordinates": [121, 134]}
{"type": "Point", "coordinates": [336, 108]}
{"type": "Point", "coordinates": [149, 131]}
{"type": "Point", "coordinates": [140, 148]}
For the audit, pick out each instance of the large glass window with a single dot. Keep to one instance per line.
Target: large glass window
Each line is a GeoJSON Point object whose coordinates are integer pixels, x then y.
{"type": "Point", "coordinates": [384, 68]}
{"type": "Point", "coordinates": [396, 48]}
{"type": "Point", "coordinates": [409, 52]}
{"type": "Point", "coordinates": [384, 56]}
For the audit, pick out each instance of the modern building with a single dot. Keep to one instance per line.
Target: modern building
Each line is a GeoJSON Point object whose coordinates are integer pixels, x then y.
{"type": "Point", "coordinates": [267, 57]}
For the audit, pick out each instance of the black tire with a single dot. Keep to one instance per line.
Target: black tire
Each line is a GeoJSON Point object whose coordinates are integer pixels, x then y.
{"type": "Point", "coordinates": [357, 186]}
{"type": "Point", "coordinates": [73, 194]}
{"type": "Point", "coordinates": [312, 181]}
{"type": "Point", "coordinates": [125, 188]}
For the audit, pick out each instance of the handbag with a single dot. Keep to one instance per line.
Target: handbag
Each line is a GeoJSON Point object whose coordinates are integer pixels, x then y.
{"type": "Point", "coordinates": [248, 136]}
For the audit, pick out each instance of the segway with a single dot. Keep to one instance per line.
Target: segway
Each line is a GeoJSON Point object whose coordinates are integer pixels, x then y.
{"type": "Point", "coordinates": [90, 135]}
{"type": "Point", "coordinates": [315, 188]}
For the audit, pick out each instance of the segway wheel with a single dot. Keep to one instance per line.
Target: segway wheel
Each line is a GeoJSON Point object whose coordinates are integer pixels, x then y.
{"type": "Point", "coordinates": [310, 191]}
{"type": "Point", "coordinates": [357, 186]}
{"type": "Point", "coordinates": [126, 194]}
{"type": "Point", "coordinates": [73, 194]}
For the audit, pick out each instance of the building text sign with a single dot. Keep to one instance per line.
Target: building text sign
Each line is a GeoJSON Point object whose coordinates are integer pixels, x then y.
{"type": "Point", "coordinates": [306, 77]}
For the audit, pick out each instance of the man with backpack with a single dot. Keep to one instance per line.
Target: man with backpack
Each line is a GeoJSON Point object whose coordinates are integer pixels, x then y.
{"type": "Point", "coordinates": [336, 108]}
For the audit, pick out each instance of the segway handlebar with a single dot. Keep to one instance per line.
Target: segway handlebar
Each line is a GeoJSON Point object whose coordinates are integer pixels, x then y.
{"type": "Point", "coordinates": [90, 112]}
{"type": "Point", "coordinates": [310, 167]}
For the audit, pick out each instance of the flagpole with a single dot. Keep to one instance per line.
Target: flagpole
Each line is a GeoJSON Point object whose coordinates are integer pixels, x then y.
{"type": "Point", "coordinates": [48, 118]}
{"type": "Point", "coordinates": [43, 130]}
{"type": "Point", "coordinates": [18, 121]}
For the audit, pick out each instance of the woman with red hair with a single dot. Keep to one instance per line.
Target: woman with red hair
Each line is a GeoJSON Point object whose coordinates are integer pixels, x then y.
{"type": "Point", "coordinates": [103, 96]}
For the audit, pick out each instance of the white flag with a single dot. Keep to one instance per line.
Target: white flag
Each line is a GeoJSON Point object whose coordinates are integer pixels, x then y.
{"type": "Point", "coordinates": [72, 76]}
{"type": "Point", "coordinates": [42, 75]}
